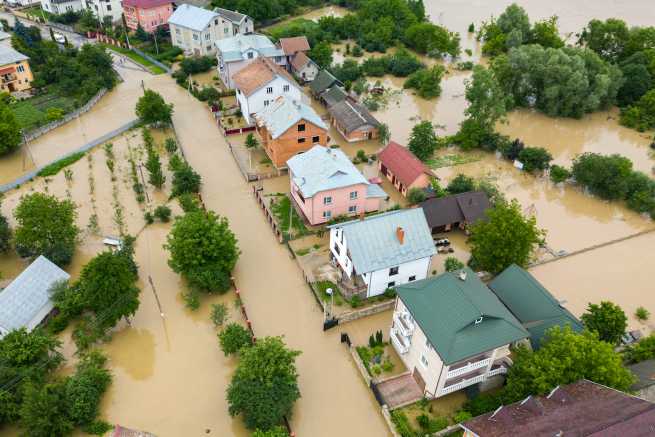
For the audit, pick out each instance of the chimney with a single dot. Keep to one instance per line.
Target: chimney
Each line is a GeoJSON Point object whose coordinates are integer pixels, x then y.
{"type": "Point", "coordinates": [362, 214]}
{"type": "Point", "coordinates": [400, 234]}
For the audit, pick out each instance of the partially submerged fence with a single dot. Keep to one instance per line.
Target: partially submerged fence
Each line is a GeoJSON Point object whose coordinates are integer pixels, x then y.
{"type": "Point", "coordinates": [159, 64]}
{"type": "Point", "coordinates": [270, 218]}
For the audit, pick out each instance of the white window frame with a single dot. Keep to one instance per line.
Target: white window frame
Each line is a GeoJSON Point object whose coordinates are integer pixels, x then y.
{"type": "Point", "coordinates": [327, 200]}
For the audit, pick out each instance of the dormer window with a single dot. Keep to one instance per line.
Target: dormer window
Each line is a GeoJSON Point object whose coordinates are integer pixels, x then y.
{"type": "Point", "coordinates": [478, 320]}
{"type": "Point", "coordinates": [250, 55]}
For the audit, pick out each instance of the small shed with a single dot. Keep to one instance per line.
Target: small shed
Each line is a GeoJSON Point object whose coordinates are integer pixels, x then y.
{"type": "Point", "coordinates": [26, 301]}
{"type": "Point", "coordinates": [449, 212]}
{"type": "Point", "coordinates": [404, 170]}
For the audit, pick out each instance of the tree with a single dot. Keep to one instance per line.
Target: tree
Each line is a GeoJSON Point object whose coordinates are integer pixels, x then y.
{"type": "Point", "coordinates": [428, 38]}
{"type": "Point", "coordinates": [487, 102]}
{"type": "Point", "coordinates": [5, 234]}
{"type": "Point", "coordinates": [153, 165]}
{"type": "Point", "coordinates": [84, 391]}
{"type": "Point", "coordinates": [565, 357]}
{"type": "Point", "coordinates": [559, 174]}
{"type": "Point", "coordinates": [415, 196]}
{"type": "Point", "coordinates": [185, 180]}
{"type": "Point", "coordinates": [203, 250]}
{"type": "Point", "coordinates": [278, 431]}
{"type": "Point", "coordinates": [265, 384]}
{"type": "Point", "coordinates": [607, 320]}
{"type": "Point", "coordinates": [10, 136]}
{"type": "Point", "coordinates": [535, 158]}
{"type": "Point", "coordinates": [607, 38]}
{"type": "Point", "coordinates": [251, 141]}
{"type": "Point", "coordinates": [640, 83]}
{"type": "Point", "coordinates": [43, 412]}
{"type": "Point", "coordinates": [384, 134]}
{"type": "Point", "coordinates": [515, 19]}
{"type": "Point", "coordinates": [46, 226]}
{"type": "Point", "coordinates": [218, 314]}
{"type": "Point", "coordinates": [427, 81]}
{"type": "Point", "coordinates": [321, 53]}
{"type": "Point", "coordinates": [641, 115]}
{"type": "Point", "coordinates": [233, 338]}
{"type": "Point", "coordinates": [423, 141]}
{"type": "Point", "coordinates": [605, 176]}
{"type": "Point", "coordinates": [107, 286]}
{"type": "Point", "coordinates": [152, 109]}
{"type": "Point", "coordinates": [452, 264]}
{"type": "Point", "coordinates": [504, 239]}
{"type": "Point", "coordinates": [546, 34]}
{"type": "Point", "coordinates": [461, 184]}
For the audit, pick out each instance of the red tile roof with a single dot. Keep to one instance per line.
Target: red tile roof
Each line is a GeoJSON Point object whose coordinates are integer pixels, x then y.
{"type": "Point", "coordinates": [146, 4]}
{"type": "Point", "coordinates": [581, 409]}
{"type": "Point", "coordinates": [402, 163]}
{"type": "Point", "coordinates": [291, 46]}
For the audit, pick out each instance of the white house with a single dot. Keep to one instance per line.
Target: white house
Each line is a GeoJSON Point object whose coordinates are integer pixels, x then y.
{"type": "Point", "coordinates": [196, 30]}
{"type": "Point", "coordinates": [26, 301]}
{"type": "Point", "coordinates": [106, 8]}
{"type": "Point", "coordinates": [452, 332]}
{"type": "Point", "coordinates": [62, 6]}
{"type": "Point", "coordinates": [382, 251]}
{"type": "Point", "coordinates": [236, 53]}
{"type": "Point", "coordinates": [260, 83]}
{"type": "Point", "coordinates": [304, 68]}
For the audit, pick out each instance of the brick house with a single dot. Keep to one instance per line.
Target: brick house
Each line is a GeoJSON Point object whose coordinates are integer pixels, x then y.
{"type": "Point", "coordinates": [149, 14]}
{"type": "Point", "coordinates": [288, 127]}
{"type": "Point", "coordinates": [403, 169]}
{"type": "Point", "coordinates": [353, 121]}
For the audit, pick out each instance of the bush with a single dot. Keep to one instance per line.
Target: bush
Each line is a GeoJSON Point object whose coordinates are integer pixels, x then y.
{"type": "Point", "coordinates": [185, 180]}
{"type": "Point", "coordinates": [452, 264]}
{"type": "Point", "coordinates": [171, 145]}
{"type": "Point", "coordinates": [462, 416]}
{"type": "Point", "coordinates": [233, 338]}
{"type": "Point", "coordinates": [605, 176]}
{"type": "Point", "coordinates": [461, 184]}
{"type": "Point", "coordinates": [401, 422]}
{"type": "Point", "coordinates": [163, 213]}
{"type": "Point", "coordinates": [55, 167]}
{"type": "Point", "coordinates": [218, 314]}
{"type": "Point", "coordinates": [188, 202]}
{"type": "Point", "coordinates": [559, 174]}
{"type": "Point", "coordinates": [415, 196]}
{"type": "Point", "coordinates": [355, 301]}
{"type": "Point", "coordinates": [643, 350]}
{"type": "Point", "coordinates": [426, 82]}
{"type": "Point", "coordinates": [149, 218]}
{"type": "Point", "coordinates": [535, 159]}
{"type": "Point", "coordinates": [642, 314]}
{"type": "Point", "coordinates": [483, 403]}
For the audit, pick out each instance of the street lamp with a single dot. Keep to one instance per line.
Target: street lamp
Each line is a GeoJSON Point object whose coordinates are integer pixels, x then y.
{"type": "Point", "coordinates": [330, 293]}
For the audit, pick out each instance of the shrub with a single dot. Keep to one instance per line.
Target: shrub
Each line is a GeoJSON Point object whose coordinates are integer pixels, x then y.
{"type": "Point", "coordinates": [171, 145]}
{"type": "Point", "coordinates": [643, 350]}
{"type": "Point", "coordinates": [415, 196]}
{"type": "Point", "coordinates": [355, 301]}
{"type": "Point", "coordinates": [163, 213]}
{"type": "Point", "coordinates": [218, 314]}
{"type": "Point", "coordinates": [401, 422]}
{"type": "Point", "coordinates": [149, 218]}
{"type": "Point", "coordinates": [461, 184]}
{"type": "Point", "coordinates": [185, 180]}
{"type": "Point", "coordinates": [452, 264]}
{"type": "Point", "coordinates": [188, 202]}
{"type": "Point", "coordinates": [559, 174]}
{"type": "Point", "coordinates": [535, 159]}
{"type": "Point", "coordinates": [462, 416]}
{"type": "Point", "coordinates": [642, 314]}
{"type": "Point", "coordinates": [605, 176]}
{"type": "Point", "coordinates": [233, 338]}
{"type": "Point", "coordinates": [426, 82]}
{"type": "Point", "coordinates": [361, 155]}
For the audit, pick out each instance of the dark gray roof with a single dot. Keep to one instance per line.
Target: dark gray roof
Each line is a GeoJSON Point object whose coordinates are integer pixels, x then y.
{"type": "Point", "coordinates": [645, 373]}
{"type": "Point", "coordinates": [197, 3]}
{"type": "Point", "coordinates": [233, 16]}
{"type": "Point", "coordinates": [324, 80]}
{"type": "Point", "coordinates": [351, 116]}
{"type": "Point", "coordinates": [466, 207]}
{"type": "Point", "coordinates": [333, 96]}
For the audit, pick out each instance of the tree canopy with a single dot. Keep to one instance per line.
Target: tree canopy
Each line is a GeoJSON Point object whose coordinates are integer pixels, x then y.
{"type": "Point", "coordinates": [607, 320]}
{"type": "Point", "coordinates": [233, 338]}
{"type": "Point", "coordinates": [152, 109]}
{"type": "Point", "coordinates": [426, 81]}
{"type": "Point", "coordinates": [5, 234]}
{"type": "Point", "coordinates": [265, 384]}
{"type": "Point", "coordinates": [46, 226]}
{"type": "Point", "coordinates": [10, 133]}
{"type": "Point", "coordinates": [506, 238]}
{"type": "Point", "coordinates": [203, 250]}
{"type": "Point", "coordinates": [423, 141]}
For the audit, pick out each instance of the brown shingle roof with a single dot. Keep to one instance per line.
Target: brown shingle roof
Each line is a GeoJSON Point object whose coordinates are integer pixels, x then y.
{"type": "Point", "coordinates": [402, 163]}
{"type": "Point", "coordinates": [291, 46]}
{"type": "Point", "coordinates": [299, 61]}
{"type": "Point", "coordinates": [466, 207]}
{"type": "Point", "coordinates": [351, 115]}
{"type": "Point", "coordinates": [257, 74]}
{"type": "Point", "coordinates": [581, 409]}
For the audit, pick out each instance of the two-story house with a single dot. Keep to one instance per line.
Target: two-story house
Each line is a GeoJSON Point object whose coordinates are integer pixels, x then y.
{"type": "Point", "coordinates": [382, 251]}
{"type": "Point", "coordinates": [58, 7]}
{"type": "Point", "coordinates": [149, 14]}
{"type": "Point", "coordinates": [237, 52]}
{"type": "Point", "coordinates": [235, 23]}
{"type": "Point", "coordinates": [196, 30]}
{"type": "Point", "coordinates": [452, 332]}
{"type": "Point", "coordinates": [325, 184]}
{"type": "Point", "coordinates": [106, 9]}
{"type": "Point", "coordinates": [288, 127]}
{"type": "Point", "coordinates": [15, 72]}
{"type": "Point", "coordinates": [260, 83]}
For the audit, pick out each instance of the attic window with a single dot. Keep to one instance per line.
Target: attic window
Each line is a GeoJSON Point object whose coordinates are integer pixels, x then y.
{"type": "Point", "coordinates": [479, 320]}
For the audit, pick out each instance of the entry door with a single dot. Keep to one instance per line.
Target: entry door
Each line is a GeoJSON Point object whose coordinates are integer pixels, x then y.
{"type": "Point", "coordinates": [419, 379]}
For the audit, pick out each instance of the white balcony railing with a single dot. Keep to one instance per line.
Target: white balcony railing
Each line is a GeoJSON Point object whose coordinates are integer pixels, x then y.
{"type": "Point", "coordinates": [497, 371]}
{"type": "Point", "coordinates": [404, 326]}
{"type": "Point", "coordinates": [464, 383]}
{"type": "Point", "coordinates": [468, 368]}
{"type": "Point", "coordinates": [401, 344]}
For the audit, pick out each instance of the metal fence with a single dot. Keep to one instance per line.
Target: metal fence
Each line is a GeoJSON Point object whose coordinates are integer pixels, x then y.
{"type": "Point", "coordinates": [29, 176]}
{"type": "Point", "coordinates": [164, 67]}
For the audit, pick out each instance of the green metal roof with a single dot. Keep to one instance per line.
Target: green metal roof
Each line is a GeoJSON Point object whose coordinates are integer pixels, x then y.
{"type": "Point", "coordinates": [324, 80]}
{"type": "Point", "coordinates": [531, 303]}
{"type": "Point", "coordinates": [446, 307]}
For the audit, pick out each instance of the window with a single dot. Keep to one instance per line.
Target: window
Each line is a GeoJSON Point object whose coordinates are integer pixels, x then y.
{"type": "Point", "coordinates": [207, 36]}
{"type": "Point", "coordinates": [177, 30]}
{"type": "Point", "coordinates": [20, 68]}
{"type": "Point", "coordinates": [393, 271]}
{"type": "Point", "coordinates": [424, 361]}
{"type": "Point", "coordinates": [286, 88]}
{"type": "Point", "coordinates": [209, 47]}
{"type": "Point", "coordinates": [352, 209]}
{"type": "Point", "coordinates": [266, 102]}
{"type": "Point", "coordinates": [316, 139]}
{"type": "Point", "coordinates": [327, 214]}
{"type": "Point", "coordinates": [109, 7]}
{"type": "Point", "coordinates": [216, 22]}
{"type": "Point", "coordinates": [269, 90]}
{"type": "Point", "coordinates": [195, 36]}
{"type": "Point", "coordinates": [391, 284]}
{"type": "Point", "coordinates": [251, 55]}
{"type": "Point", "coordinates": [336, 249]}
{"type": "Point", "coordinates": [301, 140]}
{"type": "Point", "coordinates": [278, 59]}
{"type": "Point", "coordinates": [412, 278]}
{"type": "Point", "coordinates": [353, 195]}
{"type": "Point", "coordinates": [226, 30]}
{"type": "Point", "coordinates": [327, 200]}
{"type": "Point", "coordinates": [301, 128]}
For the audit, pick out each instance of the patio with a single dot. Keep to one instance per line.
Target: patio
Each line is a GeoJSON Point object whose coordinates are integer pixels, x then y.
{"type": "Point", "coordinates": [399, 391]}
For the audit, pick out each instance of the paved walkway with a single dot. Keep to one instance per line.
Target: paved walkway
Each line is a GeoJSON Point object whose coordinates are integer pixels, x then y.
{"type": "Point", "coordinates": [399, 391]}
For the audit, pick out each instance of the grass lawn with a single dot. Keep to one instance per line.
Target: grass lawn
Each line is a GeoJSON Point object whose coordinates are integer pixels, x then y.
{"type": "Point", "coordinates": [154, 69]}
{"type": "Point", "coordinates": [321, 286]}
{"type": "Point", "coordinates": [31, 113]}
{"type": "Point", "coordinates": [281, 209]}
{"type": "Point", "coordinates": [451, 160]}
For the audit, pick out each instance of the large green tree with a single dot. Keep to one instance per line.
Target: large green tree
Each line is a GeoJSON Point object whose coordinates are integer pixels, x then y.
{"type": "Point", "coordinates": [233, 338]}
{"type": "Point", "coordinates": [153, 109]}
{"type": "Point", "coordinates": [641, 115]}
{"type": "Point", "coordinates": [505, 238]}
{"type": "Point", "coordinates": [605, 176]}
{"type": "Point", "coordinates": [46, 226]}
{"type": "Point", "coordinates": [565, 357]}
{"type": "Point", "coordinates": [265, 384]}
{"type": "Point", "coordinates": [487, 101]}
{"type": "Point", "coordinates": [203, 250]}
{"type": "Point", "coordinates": [607, 38]}
{"type": "Point", "coordinates": [423, 141]}
{"type": "Point", "coordinates": [607, 320]}
{"type": "Point", "coordinates": [321, 53]}
{"type": "Point", "coordinates": [10, 137]}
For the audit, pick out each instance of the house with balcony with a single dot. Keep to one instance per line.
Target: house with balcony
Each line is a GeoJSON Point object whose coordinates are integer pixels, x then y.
{"type": "Point", "coordinates": [381, 252]}
{"type": "Point", "coordinates": [452, 332]}
{"type": "Point", "coordinates": [404, 170]}
{"type": "Point", "coordinates": [288, 127]}
{"type": "Point", "coordinates": [260, 84]}
{"type": "Point", "coordinates": [62, 6]}
{"type": "Point", "coordinates": [325, 184]}
{"type": "Point", "coordinates": [236, 53]}
{"type": "Point", "coordinates": [15, 72]}
{"type": "Point", "coordinates": [149, 14]}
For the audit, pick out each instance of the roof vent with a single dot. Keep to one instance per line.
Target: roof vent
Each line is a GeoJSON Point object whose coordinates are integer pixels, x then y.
{"type": "Point", "coordinates": [462, 275]}
{"type": "Point", "coordinates": [400, 234]}
{"type": "Point", "coordinates": [479, 320]}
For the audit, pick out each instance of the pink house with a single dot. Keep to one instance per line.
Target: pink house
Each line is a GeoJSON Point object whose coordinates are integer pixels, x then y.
{"type": "Point", "coordinates": [150, 14]}
{"type": "Point", "coordinates": [325, 184]}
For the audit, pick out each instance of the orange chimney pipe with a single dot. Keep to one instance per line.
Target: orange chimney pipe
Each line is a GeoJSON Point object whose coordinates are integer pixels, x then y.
{"type": "Point", "coordinates": [400, 234]}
